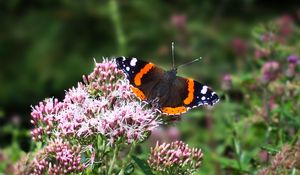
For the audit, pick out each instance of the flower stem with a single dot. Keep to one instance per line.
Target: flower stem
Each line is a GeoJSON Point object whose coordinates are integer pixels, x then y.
{"type": "Point", "coordinates": [116, 150]}
{"type": "Point", "coordinates": [131, 149]}
{"type": "Point", "coordinates": [115, 16]}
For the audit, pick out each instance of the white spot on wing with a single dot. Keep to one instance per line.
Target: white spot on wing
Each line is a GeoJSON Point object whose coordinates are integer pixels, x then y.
{"type": "Point", "coordinates": [133, 62]}
{"type": "Point", "coordinates": [204, 90]}
{"type": "Point", "coordinates": [123, 58]}
{"type": "Point", "coordinates": [203, 98]}
{"type": "Point", "coordinates": [128, 68]}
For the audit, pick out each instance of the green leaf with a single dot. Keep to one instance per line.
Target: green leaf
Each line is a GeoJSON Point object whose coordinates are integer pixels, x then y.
{"type": "Point", "coordinates": [129, 169]}
{"type": "Point", "coordinates": [270, 149]}
{"type": "Point", "coordinates": [143, 165]}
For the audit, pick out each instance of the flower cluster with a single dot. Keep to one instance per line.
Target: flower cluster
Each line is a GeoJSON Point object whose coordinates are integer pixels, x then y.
{"type": "Point", "coordinates": [269, 71]}
{"type": "Point", "coordinates": [57, 157]}
{"type": "Point", "coordinates": [293, 61]}
{"type": "Point", "coordinates": [175, 158]}
{"type": "Point", "coordinates": [284, 161]}
{"type": "Point", "coordinates": [101, 112]}
{"type": "Point", "coordinates": [102, 105]}
{"type": "Point", "coordinates": [43, 116]}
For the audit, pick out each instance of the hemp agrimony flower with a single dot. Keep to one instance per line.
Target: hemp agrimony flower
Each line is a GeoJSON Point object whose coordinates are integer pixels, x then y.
{"type": "Point", "coordinates": [174, 158]}
{"type": "Point", "coordinates": [57, 157]}
{"type": "Point", "coordinates": [99, 116]}
{"type": "Point", "coordinates": [103, 105]}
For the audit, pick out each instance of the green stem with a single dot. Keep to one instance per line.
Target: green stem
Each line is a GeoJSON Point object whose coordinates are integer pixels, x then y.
{"type": "Point", "coordinates": [131, 149]}
{"type": "Point", "coordinates": [238, 153]}
{"type": "Point", "coordinates": [116, 150]}
{"type": "Point", "coordinates": [115, 16]}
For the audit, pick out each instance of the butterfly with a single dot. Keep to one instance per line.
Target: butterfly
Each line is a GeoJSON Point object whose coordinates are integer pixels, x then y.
{"type": "Point", "coordinates": [173, 94]}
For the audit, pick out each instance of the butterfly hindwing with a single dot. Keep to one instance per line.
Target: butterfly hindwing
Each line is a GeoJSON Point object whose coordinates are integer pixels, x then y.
{"type": "Point", "coordinates": [186, 94]}
{"type": "Point", "coordinates": [173, 101]}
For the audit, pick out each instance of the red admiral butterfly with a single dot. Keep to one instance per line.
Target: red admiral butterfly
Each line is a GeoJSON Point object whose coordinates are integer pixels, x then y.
{"type": "Point", "coordinates": [175, 94]}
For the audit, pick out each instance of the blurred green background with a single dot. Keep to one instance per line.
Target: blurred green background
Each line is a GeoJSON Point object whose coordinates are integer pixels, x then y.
{"type": "Point", "coordinates": [46, 47]}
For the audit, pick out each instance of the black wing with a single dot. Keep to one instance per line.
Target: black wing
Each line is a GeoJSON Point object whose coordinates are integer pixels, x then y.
{"type": "Point", "coordinates": [186, 94]}
{"type": "Point", "coordinates": [142, 75]}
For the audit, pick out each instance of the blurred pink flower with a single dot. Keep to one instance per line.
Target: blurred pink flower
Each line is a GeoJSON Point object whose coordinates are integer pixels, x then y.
{"type": "Point", "coordinates": [226, 82]}
{"type": "Point", "coordinates": [272, 103]}
{"type": "Point", "coordinates": [175, 157]}
{"type": "Point", "coordinates": [16, 120]}
{"type": "Point", "coordinates": [179, 21]}
{"type": "Point", "coordinates": [164, 134]}
{"type": "Point", "coordinates": [264, 156]}
{"type": "Point", "coordinates": [239, 46]}
{"type": "Point", "coordinates": [285, 24]}
{"type": "Point", "coordinates": [173, 133]}
{"type": "Point", "coordinates": [267, 37]}
{"type": "Point", "coordinates": [269, 71]}
{"type": "Point", "coordinates": [259, 53]}
{"type": "Point", "coordinates": [284, 161]}
{"type": "Point", "coordinates": [293, 61]}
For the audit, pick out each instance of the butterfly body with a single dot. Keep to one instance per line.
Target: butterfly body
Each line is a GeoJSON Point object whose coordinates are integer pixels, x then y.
{"type": "Point", "coordinates": [173, 94]}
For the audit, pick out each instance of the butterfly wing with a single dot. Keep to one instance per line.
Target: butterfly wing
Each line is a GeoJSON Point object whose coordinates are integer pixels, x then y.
{"type": "Point", "coordinates": [186, 94]}
{"type": "Point", "coordinates": [142, 75]}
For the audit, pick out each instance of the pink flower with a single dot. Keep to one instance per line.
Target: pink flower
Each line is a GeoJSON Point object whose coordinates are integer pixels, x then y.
{"type": "Point", "coordinates": [269, 71]}
{"type": "Point", "coordinates": [239, 46]}
{"type": "Point", "coordinates": [179, 21]}
{"type": "Point", "coordinates": [285, 24]}
{"type": "Point", "coordinates": [226, 82]}
{"type": "Point", "coordinates": [175, 157]}
{"type": "Point", "coordinates": [56, 158]}
{"type": "Point", "coordinates": [259, 53]}
{"type": "Point", "coordinates": [164, 134]}
{"type": "Point", "coordinates": [43, 116]}
{"type": "Point", "coordinates": [293, 61]}
{"type": "Point", "coordinates": [130, 121]}
{"type": "Point", "coordinates": [103, 105]}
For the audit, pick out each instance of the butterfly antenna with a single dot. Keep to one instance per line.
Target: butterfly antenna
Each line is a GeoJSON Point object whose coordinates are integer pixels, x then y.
{"type": "Point", "coordinates": [195, 60]}
{"type": "Point", "coordinates": [173, 55]}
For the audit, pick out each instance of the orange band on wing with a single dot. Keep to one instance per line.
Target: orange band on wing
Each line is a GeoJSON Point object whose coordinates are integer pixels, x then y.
{"type": "Point", "coordinates": [138, 77]}
{"type": "Point", "coordinates": [138, 93]}
{"type": "Point", "coordinates": [190, 96]}
{"type": "Point", "coordinates": [175, 110]}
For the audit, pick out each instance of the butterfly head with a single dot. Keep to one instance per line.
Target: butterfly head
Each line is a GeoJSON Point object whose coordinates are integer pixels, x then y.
{"type": "Point", "coordinates": [171, 74]}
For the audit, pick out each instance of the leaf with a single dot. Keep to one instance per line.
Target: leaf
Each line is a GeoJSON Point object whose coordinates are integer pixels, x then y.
{"type": "Point", "coordinates": [237, 147]}
{"type": "Point", "coordinates": [270, 149]}
{"type": "Point", "coordinates": [129, 169]}
{"type": "Point", "coordinates": [143, 165]}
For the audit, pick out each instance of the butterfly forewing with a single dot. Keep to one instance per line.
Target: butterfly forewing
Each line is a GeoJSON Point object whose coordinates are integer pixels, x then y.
{"type": "Point", "coordinates": [203, 95]}
{"type": "Point", "coordinates": [142, 75]}
{"type": "Point", "coordinates": [130, 66]}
